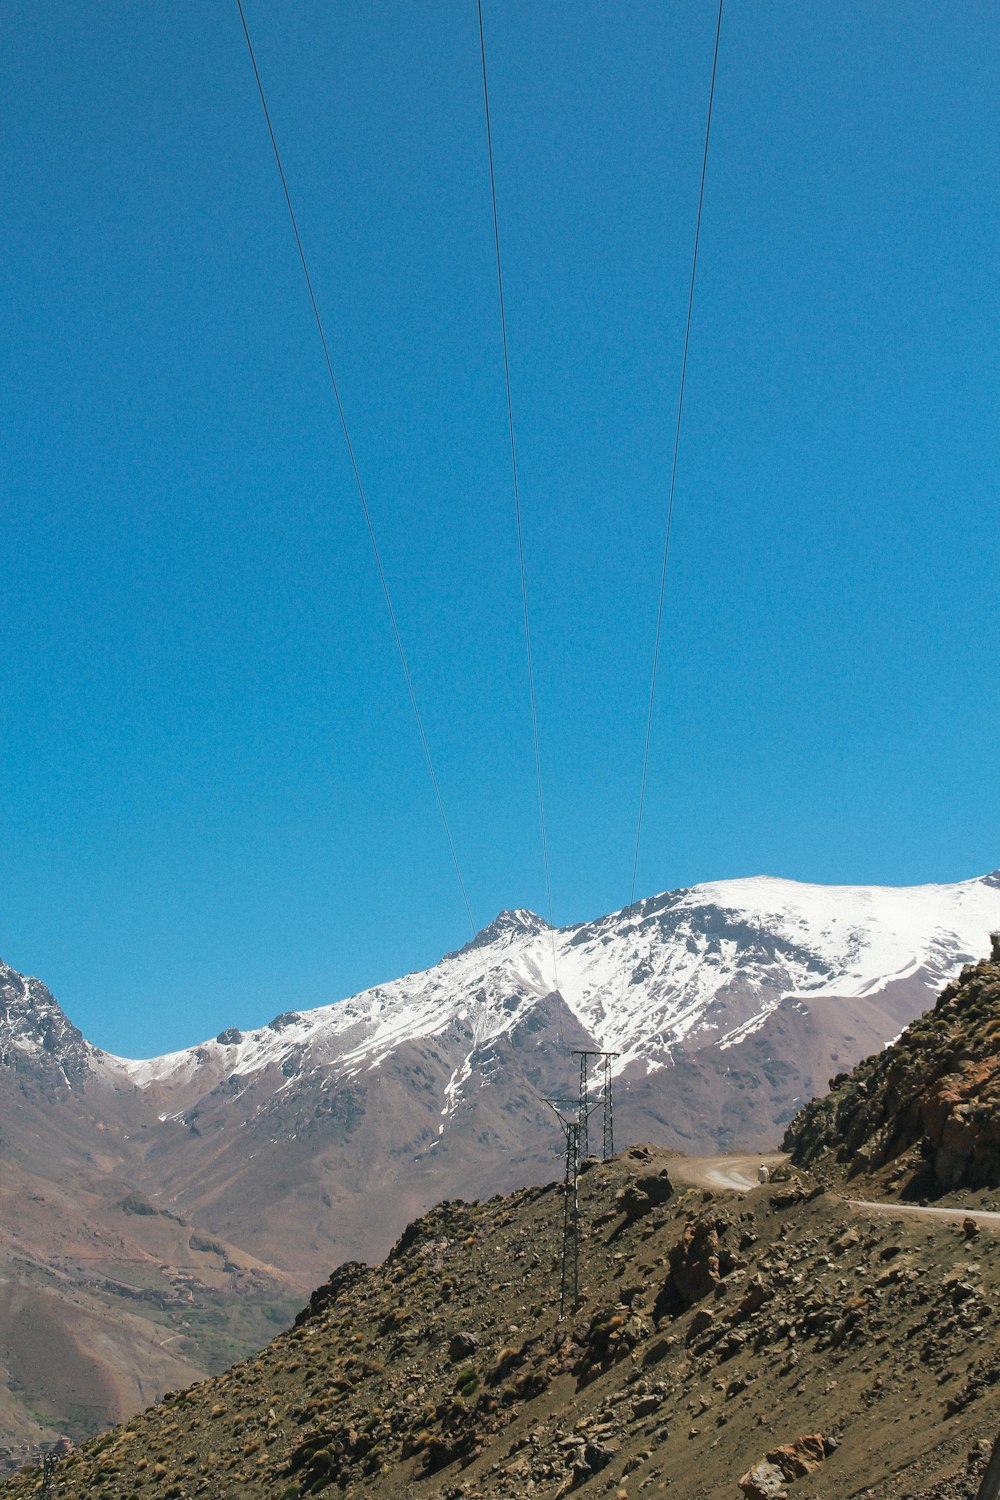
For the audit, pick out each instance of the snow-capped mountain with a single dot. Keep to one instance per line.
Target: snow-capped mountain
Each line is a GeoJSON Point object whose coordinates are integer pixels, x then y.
{"type": "Point", "coordinates": [727, 1003]}
{"type": "Point", "coordinates": [707, 965]}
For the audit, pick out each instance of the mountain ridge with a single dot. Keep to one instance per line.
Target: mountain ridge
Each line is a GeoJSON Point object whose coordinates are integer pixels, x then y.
{"type": "Point", "coordinates": [754, 898]}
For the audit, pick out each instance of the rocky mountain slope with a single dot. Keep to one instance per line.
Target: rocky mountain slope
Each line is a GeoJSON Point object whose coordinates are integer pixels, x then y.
{"type": "Point", "coordinates": [922, 1117]}
{"type": "Point", "coordinates": [262, 1159]}
{"type": "Point", "coordinates": [763, 1343]}
{"type": "Point", "coordinates": [106, 1298]}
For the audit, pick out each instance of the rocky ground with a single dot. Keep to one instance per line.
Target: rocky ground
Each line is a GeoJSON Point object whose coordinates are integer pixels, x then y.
{"type": "Point", "coordinates": [762, 1342]}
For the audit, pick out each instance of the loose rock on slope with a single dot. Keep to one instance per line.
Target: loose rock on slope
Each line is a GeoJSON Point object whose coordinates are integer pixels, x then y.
{"type": "Point", "coordinates": [718, 1334]}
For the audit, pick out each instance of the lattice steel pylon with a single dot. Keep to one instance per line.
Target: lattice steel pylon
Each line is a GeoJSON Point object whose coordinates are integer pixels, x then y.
{"type": "Point", "coordinates": [585, 1107]}
{"type": "Point", "coordinates": [49, 1462]}
{"type": "Point", "coordinates": [570, 1279]}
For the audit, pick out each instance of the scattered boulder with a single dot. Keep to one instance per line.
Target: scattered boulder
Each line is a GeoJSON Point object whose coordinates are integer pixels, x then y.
{"type": "Point", "coordinates": [644, 1194]}
{"type": "Point", "coordinates": [699, 1260]}
{"type": "Point", "coordinates": [461, 1346]}
{"type": "Point", "coordinates": [703, 1320]}
{"type": "Point", "coordinates": [767, 1479]}
{"type": "Point", "coordinates": [799, 1457]}
{"type": "Point", "coordinates": [764, 1481]}
{"type": "Point", "coordinates": [759, 1290]}
{"type": "Point", "coordinates": [658, 1349]}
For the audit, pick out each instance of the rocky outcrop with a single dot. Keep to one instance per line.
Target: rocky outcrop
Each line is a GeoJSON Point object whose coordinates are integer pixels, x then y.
{"type": "Point", "coordinates": [930, 1102]}
{"type": "Point", "coordinates": [700, 1260]}
{"type": "Point", "coordinates": [644, 1192]}
{"type": "Point", "coordinates": [39, 1045]}
{"type": "Point", "coordinates": [767, 1479]}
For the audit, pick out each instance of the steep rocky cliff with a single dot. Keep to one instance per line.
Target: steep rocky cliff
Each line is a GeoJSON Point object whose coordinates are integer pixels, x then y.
{"type": "Point", "coordinates": [924, 1114]}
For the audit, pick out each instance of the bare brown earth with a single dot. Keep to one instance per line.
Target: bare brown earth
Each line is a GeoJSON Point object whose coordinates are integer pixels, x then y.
{"type": "Point", "coordinates": [714, 1329]}
{"type": "Point", "coordinates": [106, 1300]}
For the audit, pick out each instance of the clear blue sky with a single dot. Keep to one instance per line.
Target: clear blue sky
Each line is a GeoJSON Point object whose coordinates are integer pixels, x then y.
{"type": "Point", "coordinates": [214, 802]}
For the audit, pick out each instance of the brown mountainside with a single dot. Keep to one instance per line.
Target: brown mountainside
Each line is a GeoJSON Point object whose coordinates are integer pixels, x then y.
{"type": "Point", "coordinates": [107, 1297]}
{"type": "Point", "coordinates": [768, 1342]}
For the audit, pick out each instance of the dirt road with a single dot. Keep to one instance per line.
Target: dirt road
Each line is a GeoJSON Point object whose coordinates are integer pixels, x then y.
{"type": "Point", "coordinates": [735, 1172]}
{"type": "Point", "coordinates": [949, 1215]}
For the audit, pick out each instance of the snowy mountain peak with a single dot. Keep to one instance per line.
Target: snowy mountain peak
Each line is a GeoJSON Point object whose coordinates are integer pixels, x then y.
{"type": "Point", "coordinates": [690, 972]}
{"type": "Point", "coordinates": [507, 926]}
{"type": "Point", "coordinates": [35, 1035]}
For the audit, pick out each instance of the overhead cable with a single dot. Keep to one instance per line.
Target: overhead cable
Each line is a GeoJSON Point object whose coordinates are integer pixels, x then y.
{"type": "Point", "coordinates": [517, 496]}
{"type": "Point", "coordinates": [357, 476]}
{"type": "Point", "coordinates": [673, 467]}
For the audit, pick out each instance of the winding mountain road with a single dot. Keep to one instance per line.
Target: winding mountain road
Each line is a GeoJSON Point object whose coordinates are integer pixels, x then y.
{"type": "Point", "coordinates": [737, 1172]}
{"type": "Point", "coordinates": [987, 1217]}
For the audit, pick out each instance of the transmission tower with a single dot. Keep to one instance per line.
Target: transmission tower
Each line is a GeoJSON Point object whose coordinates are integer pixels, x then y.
{"type": "Point", "coordinates": [49, 1462]}
{"type": "Point", "coordinates": [585, 1107]}
{"type": "Point", "coordinates": [564, 1111]}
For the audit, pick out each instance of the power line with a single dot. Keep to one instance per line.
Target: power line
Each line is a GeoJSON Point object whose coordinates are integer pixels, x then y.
{"type": "Point", "coordinates": [517, 496]}
{"type": "Point", "coordinates": [673, 468]}
{"type": "Point", "coordinates": [357, 475]}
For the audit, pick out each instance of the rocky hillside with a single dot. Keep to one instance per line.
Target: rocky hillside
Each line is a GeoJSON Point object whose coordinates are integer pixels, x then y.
{"type": "Point", "coordinates": [923, 1115]}
{"type": "Point", "coordinates": [762, 1343]}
